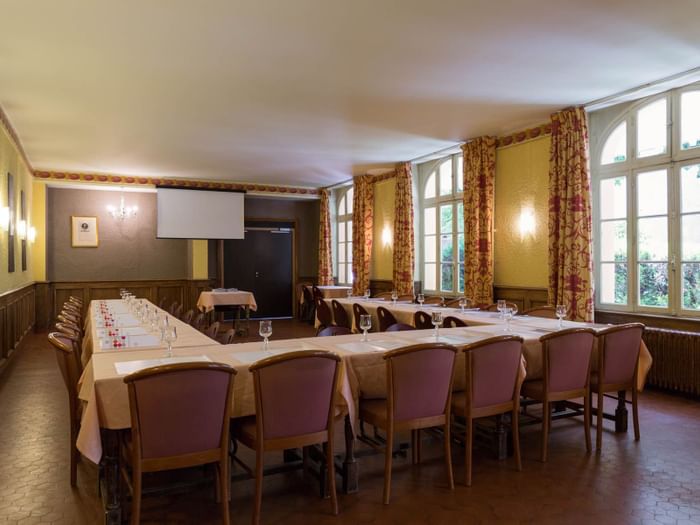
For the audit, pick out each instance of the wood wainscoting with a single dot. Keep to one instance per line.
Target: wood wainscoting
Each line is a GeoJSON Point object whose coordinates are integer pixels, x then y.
{"type": "Point", "coordinates": [524, 298]}
{"type": "Point", "coordinates": [17, 317]}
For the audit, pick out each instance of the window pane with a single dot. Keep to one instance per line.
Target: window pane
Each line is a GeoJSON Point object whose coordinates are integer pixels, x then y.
{"type": "Point", "coordinates": [613, 285]}
{"type": "Point", "coordinates": [446, 177]}
{"type": "Point", "coordinates": [341, 253]}
{"type": "Point", "coordinates": [349, 252]}
{"type": "Point", "coordinates": [613, 198]}
{"type": "Point", "coordinates": [652, 238]}
{"type": "Point", "coordinates": [460, 217]}
{"type": "Point", "coordinates": [460, 247]}
{"type": "Point", "coordinates": [461, 278]}
{"type": "Point", "coordinates": [430, 187]}
{"type": "Point", "coordinates": [613, 241]}
{"type": "Point", "coordinates": [653, 284]}
{"type": "Point", "coordinates": [690, 237]}
{"type": "Point", "coordinates": [690, 120]}
{"type": "Point", "coordinates": [341, 206]}
{"type": "Point", "coordinates": [349, 197]}
{"type": "Point", "coordinates": [446, 218]}
{"type": "Point", "coordinates": [429, 226]}
{"type": "Point", "coordinates": [446, 248]}
{"type": "Point", "coordinates": [690, 188]}
{"type": "Point", "coordinates": [447, 278]}
{"type": "Point", "coordinates": [351, 277]}
{"type": "Point", "coordinates": [691, 286]}
{"type": "Point", "coordinates": [615, 149]}
{"type": "Point", "coordinates": [341, 231]}
{"type": "Point", "coordinates": [460, 172]}
{"type": "Point", "coordinates": [349, 233]}
{"type": "Point", "coordinates": [651, 129]}
{"type": "Point", "coordinates": [651, 193]}
{"type": "Point", "coordinates": [430, 248]}
{"type": "Point", "coordinates": [429, 276]}
{"type": "Point", "coordinates": [341, 273]}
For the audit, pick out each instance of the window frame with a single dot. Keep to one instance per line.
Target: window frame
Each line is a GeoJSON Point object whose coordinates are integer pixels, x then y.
{"type": "Point", "coordinates": [341, 221]}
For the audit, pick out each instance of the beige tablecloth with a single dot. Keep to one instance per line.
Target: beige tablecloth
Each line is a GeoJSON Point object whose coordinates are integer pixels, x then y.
{"type": "Point", "coordinates": [208, 300]}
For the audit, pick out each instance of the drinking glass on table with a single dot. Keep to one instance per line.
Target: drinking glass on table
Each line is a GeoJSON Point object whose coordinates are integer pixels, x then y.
{"type": "Point", "coordinates": [501, 307]}
{"type": "Point", "coordinates": [367, 293]}
{"type": "Point", "coordinates": [464, 303]}
{"type": "Point", "coordinates": [508, 316]}
{"type": "Point", "coordinates": [163, 324]}
{"type": "Point", "coordinates": [561, 313]}
{"type": "Point", "coordinates": [349, 293]}
{"type": "Point", "coordinates": [420, 298]}
{"type": "Point", "coordinates": [394, 296]}
{"type": "Point", "coordinates": [170, 336]}
{"type": "Point", "coordinates": [265, 332]}
{"type": "Point", "coordinates": [437, 321]}
{"type": "Point", "coordinates": [155, 320]}
{"type": "Point", "coordinates": [365, 324]}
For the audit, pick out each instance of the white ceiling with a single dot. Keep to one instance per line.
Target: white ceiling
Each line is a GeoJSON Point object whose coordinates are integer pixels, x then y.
{"type": "Point", "coordinates": [304, 91]}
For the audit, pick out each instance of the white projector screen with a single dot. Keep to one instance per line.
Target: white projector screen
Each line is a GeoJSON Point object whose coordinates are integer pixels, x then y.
{"type": "Point", "coordinates": [199, 214]}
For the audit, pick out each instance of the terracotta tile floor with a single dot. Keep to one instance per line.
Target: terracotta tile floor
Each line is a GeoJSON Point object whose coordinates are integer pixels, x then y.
{"type": "Point", "coordinates": [654, 481]}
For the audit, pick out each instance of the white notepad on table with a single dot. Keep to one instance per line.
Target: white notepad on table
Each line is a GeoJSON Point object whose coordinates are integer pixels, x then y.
{"type": "Point", "coordinates": [129, 367]}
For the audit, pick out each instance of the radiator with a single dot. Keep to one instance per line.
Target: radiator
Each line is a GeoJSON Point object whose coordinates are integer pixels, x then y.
{"type": "Point", "coordinates": [676, 357]}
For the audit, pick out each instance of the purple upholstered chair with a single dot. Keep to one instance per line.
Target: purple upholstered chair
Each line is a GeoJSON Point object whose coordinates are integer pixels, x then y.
{"type": "Point", "coordinates": [399, 327]}
{"type": "Point", "coordinates": [422, 320]}
{"type": "Point", "coordinates": [386, 318]}
{"type": "Point", "coordinates": [492, 387]}
{"type": "Point", "coordinates": [419, 384]}
{"type": "Point", "coordinates": [357, 311]}
{"type": "Point", "coordinates": [618, 361]}
{"type": "Point", "coordinates": [334, 330]}
{"type": "Point", "coordinates": [566, 359]}
{"type": "Point", "coordinates": [323, 313]}
{"type": "Point", "coordinates": [340, 316]}
{"type": "Point", "coordinates": [453, 322]}
{"type": "Point", "coordinates": [167, 403]}
{"type": "Point", "coordinates": [295, 405]}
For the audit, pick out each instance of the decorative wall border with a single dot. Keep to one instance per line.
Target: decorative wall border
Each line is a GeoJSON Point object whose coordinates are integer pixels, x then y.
{"type": "Point", "coordinates": [157, 181]}
{"type": "Point", "coordinates": [527, 134]}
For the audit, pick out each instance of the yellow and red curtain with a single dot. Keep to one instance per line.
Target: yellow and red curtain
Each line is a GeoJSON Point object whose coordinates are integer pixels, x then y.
{"type": "Point", "coordinates": [570, 221]}
{"type": "Point", "coordinates": [325, 255]}
{"type": "Point", "coordinates": [403, 231]}
{"type": "Point", "coordinates": [362, 215]}
{"type": "Point", "coordinates": [479, 183]}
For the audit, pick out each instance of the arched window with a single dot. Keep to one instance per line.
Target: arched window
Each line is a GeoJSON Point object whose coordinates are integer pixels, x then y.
{"type": "Point", "coordinates": [647, 205]}
{"type": "Point", "coordinates": [344, 236]}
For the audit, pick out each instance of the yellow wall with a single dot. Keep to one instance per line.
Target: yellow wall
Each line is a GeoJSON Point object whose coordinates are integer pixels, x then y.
{"type": "Point", "coordinates": [12, 162]}
{"type": "Point", "coordinates": [38, 219]}
{"type": "Point", "coordinates": [200, 259]}
{"type": "Point", "coordinates": [382, 265]}
{"type": "Point", "coordinates": [522, 180]}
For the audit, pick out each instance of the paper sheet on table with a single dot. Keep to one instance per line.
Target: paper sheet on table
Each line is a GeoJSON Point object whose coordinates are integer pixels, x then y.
{"type": "Point", "coordinates": [129, 330]}
{"type": "Point", "coordinates": [371, 346]}
{"type": "Point", "coordinates": [143, 340]}
{"type": "Point", "coordinates": [129, 367]}
{"type": "Point", "coordinates": [257, 355]}
{"type": "Point", "coordinates": [449, 339]}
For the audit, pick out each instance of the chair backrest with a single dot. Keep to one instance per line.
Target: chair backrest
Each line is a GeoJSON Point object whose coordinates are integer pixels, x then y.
{"type": "Point", "coordinates": [453, 303]}
{"type": "Point", "coordinates": [494, 307]}
{"type": "Point", "coordinates": [566, 356]}
{"type": "Point", "coordinates": [399, 327]}
{"type": "Point", "coordinates": [323, 312]}
{"type": "Point", "coordinates": [308, 296]}
{"type": "Point", "coordinates": [76, 300]}
{"type": "Point", "coordinates": [178, 311]}
{"type": "Point", "coordinates": [618, 352]}
{"type": "Point", "coordinates": [386, 318]}
{"type": "Point", "coordinates": [187, 318]}
{"type": "Point", "coordinates": [163, 301]}
{"type": "Point", "coordinates": [382, 295]}
{"type": "Point", "coordinates": [340, 316]}
{"type": "Point", "coordinates": [493, 371]}
{"type": "Point", "coordinates": [453, 322]}
{"type": "Point", "coordinates": [357, 311]}
{"type": "Point", "coordinates": [180, 409]}
{"type": "Point", "coordinates": [71, 316]}
{"type": "Point", "coordinates": [550, 312]}
{"type": "Point", "coordinates": [419, 380]}
{"type": "Point", "coordinates": [71, 307]}
{"type": "Point", "coordinates": [295, 393]}
{"type": "Point", "coordinates": [316, 292]}
{"type": "Point", "coordinates": [406, 297]}
{"type": "Point", "coordinates": [172, 308]}
{"type": "Point", "coordinates": [68, 329]}
{"type": "Point", "coordinates": [422, 320]}
{"type": "Point", "coordinates": [213, 330]}
{"type": "Point", "coordinates": [434, 299]}
{"type": "Point", "coordinates": [67, 364]}
{"type": "Point", "coordinates": [198, 321]}
{"type": "Point", "coordinates": [334, 330]}
{"type": "Point", "coordinates": [69, 321]}
{"type": "Point", "coordinates": [229, 336]}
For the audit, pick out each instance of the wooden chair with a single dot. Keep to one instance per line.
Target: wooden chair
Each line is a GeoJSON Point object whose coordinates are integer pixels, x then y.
{"type": "Point", "coordinates": [187, 317]}
{"type": "Point", "coordinates": [382, 295]}
{"type": "Point", "coordinates": [323, 313]}
{"type": "Point", "coordinates": [434, 299]}
{"type": "Point", "coordinates": [178, 311]}
{"type": "Point", "coordinates": [340, 316]}
{"type": "Point", "coordinates": [171, 401]}
{"type": "Point", "coordinates": [357, 311]}
{"type": "Point", "coordinates": [419, 388]}
{"type": "Point", "coordinates": [566, 359]}
{"type": "Point", "coordinates": [213, 330]}
{"type": "Point", "coordinates": [199, 321]}
{"type": "Point", "coordinates": [334, 330]}
{"type": "Point", "coordinates": [617, 370]}
{"type": "Point", "coordinates": [163, 301]}
{"type": "Point", "coordinates": [316, 291]}
{"type": "Point", "coordinates": [173, 308]}
{"type": "Point", "coordinates": [386, 318]}
{"type": "Point", "coordinates": [295, 397]}
{"type": "Point", "coordinates": [67, 364]}
{"type": "Point", "coordinates": [406, 297]}
{"type": "Point", "coordinates": [550, 312]}
{"type": "Point", "coordinates": [492, 368]}
{"type": "Point", "coordinates": [229, 336]}
{"type": "Point", "coordinates": [494, 307]}
{"type": "Point", "coordinates": [70, 321]}
{"type": "Point", "coordinates": [307, 306]}
{"type": "Point", "coordinates": [399, 327]}
{"type": "Point", "coordinates": [453, 303]}
{"type": "Point", "coordinates": [76, 301]}
{"type": "Point", "coordinates": [453, 322]}
{"type": "Point", "coordinates": [73, 309]}
{"type": "Point", "coordinates": [422, 320]}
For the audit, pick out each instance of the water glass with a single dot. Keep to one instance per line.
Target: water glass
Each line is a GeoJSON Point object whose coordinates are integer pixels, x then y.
{"type": "Point", "coordinates": [420, 298]}
{"type": "Point", "coordinates": [368, 293]}
{"type": "Point", "coordinates": [170, 336]}
{"type": "Point", "coordinates": [561, 313]}
{"type": "Point", "coordinates": [437, 321]}
{"type": "Point", "coordinates": [501, 307]}
{"type": "Point", "coordinates": [365, 324]}
{"type": "Point", "coordinates": [265, 332]}
{"type": "Point", "coordinates": [463, 302]}
{"type": "Point", "coordinates": [349, 293]}
{"type": "Point", "coordinates": [508, 316]}
{"type": "Point", "coordinates": [394, 296]}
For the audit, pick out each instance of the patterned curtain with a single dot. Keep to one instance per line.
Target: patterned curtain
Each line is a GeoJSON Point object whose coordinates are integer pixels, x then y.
{"type": "Point", "coordinates": [362, 223]}
{"type": "Point", "coordinates": [570, 222]}
{"type": "Point", "coordinates": [479, 182]}
{"type": "Point", "coordinates": [325, 256]}
{"type": "Point", "coordinates": [403, 231]}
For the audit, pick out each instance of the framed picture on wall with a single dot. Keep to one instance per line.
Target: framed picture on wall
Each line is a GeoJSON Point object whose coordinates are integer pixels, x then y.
{"type": "Point", "coordinates": [84, 232]}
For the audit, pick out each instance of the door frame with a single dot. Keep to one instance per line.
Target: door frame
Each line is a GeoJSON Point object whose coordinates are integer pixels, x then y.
{"type": "Point", "coordinates": [246, 220]}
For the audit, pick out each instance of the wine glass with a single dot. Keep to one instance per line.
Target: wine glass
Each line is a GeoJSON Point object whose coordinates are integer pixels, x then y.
{"type": "Point", "coordinates": [561, 313]}
{"type": "Point", "coordinates": [420, 298]}
{"type": "Point", "coordinates": [349, 293]}
{"type": "Point", "coordinates": [394, 296]}
{"type": "Point", "coordinates": [170, 336]}
{"type": "Point", "coordinates": [265, 332]}
{"type": "Point", "coordinates": [163, 324]}
{"type": "Point", "coordinates": [367, 293]}
{"type": "Point", "coordinates": [365, 324]}
{"type": "Point", "coordinates": [437, 321]}
{"type": "Point", "coordinates": [501, 307]}
{"type": "Point", "coordinates": [155, 320]}
{"type": "Point", "coordinates": [463, 303]}
{"type": "Point", "coordinates": [508, 316]}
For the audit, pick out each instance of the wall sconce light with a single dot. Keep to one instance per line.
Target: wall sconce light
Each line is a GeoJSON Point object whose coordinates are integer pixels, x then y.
{"type": "Point", "coordinates": [526, 222]}
{"type": "Point", "coordinates": [22, 230]}
{"type": "Point", "coordinates": [387, 236]}
{"type": "Point", "coordinates": [5, 218]}
{"type": "Point", "coordinates": [32, 234]}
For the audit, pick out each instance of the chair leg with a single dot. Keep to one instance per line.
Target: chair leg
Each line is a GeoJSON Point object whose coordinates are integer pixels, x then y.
{"type": "Point", "coordinates": [136, 495]}
{"type": "Point", "coordinates": [330, 462]}
{"type": "Point", "coordinates": [448, 456]}
{"type": "Point", "coordinates": [387, 463]}
{"type": "Point", "coordinates": [224, 489]}
{"type": "Point", "coordinates": [257, 505]}
{"type": "Point", "coordinates": [515, 430]}
{"type": "Point", "coordinates": [546, 415]}
{"type": "Point", "coordinates": [587, 419]}
{"type": "Point", "coordinates": [468, 438]}
{"type": "Point", "coordinates": [599, 422]}
{"type": "Point", "coordinates": [635, 412]}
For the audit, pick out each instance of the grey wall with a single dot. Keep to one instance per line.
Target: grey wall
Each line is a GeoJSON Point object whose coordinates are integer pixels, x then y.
{"type": "Point", "coordinates": [128, 250]}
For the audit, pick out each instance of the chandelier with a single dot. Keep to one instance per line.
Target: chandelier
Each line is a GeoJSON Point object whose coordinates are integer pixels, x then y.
{"type": "Point", "coordinates": [123, 211]}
